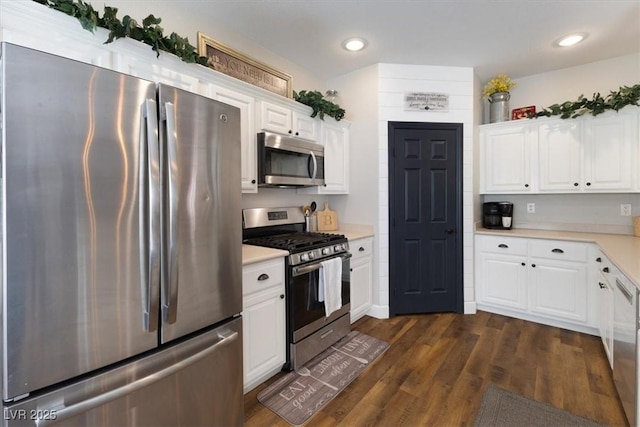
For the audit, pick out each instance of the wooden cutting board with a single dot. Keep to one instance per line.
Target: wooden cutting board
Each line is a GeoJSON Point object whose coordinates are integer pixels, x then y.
{"type": "Point", "coordinates": [327, 219]}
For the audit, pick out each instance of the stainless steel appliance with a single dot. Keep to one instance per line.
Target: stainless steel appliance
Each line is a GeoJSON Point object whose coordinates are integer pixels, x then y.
{"type": "Point", "coordinates": [625, 335]}
{"type": "Point", "coordinates": [309, 331]}
{"type": "Point", "coordinates": [497, 215]}
{"type": "Point", "coordinates": [289, 162]}
{"type": "Point", "coordinates": [121, 254]}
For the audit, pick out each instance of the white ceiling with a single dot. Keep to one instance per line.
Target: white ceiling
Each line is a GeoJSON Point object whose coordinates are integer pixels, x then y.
{"type": "Point", "coordinates": [493, 36]}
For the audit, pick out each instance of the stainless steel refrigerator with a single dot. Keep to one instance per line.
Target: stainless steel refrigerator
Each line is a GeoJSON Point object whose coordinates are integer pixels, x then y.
{"type": "Point", "coordinates": [121, 249]}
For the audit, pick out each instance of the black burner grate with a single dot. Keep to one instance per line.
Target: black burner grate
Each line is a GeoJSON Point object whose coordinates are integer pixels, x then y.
{"type": "Point", "coordinates": [294, 242]}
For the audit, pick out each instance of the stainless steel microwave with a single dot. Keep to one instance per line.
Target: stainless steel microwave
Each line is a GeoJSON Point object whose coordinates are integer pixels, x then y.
{"type": "Point", "coordinates": [289, 162]}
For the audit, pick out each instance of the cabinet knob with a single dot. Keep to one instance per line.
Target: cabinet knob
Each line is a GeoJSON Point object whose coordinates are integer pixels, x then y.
{"type": "Point", "coordinates": [598, 259]}
{"type": "Point", "coordinates": [361, 249]}
{"type": "Point", "coordinates": [351, 269]}
{"type": "Point", "coordinates": [588, 184]}
{"type": "Point", "coordinates": [606, 269]}
{"type": "Point", "coordinates": [281, 296]}
{"type": "Point", "coordinates": [253, 181]}
{"type": "Point", "coordinates": [290, 131]}
{"type": "Point", "coordinates": [523, 264]}
{"type": "Point", "coordinates": [297, 133]}
{"type": "Point", "coordinates": [533, 265]}
{"type": "Point", "coordinates": [263, 276]}
{"type": "Point", "coordinates": [575, 184]}
{"type": "Point", "coordinates": [526, 186]}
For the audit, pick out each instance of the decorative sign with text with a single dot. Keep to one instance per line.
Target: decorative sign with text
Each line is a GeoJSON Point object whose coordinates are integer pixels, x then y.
{"type": "Point", "coordinates": [235, 64]}
{"type": "Point", "coordinates": [426, 101]}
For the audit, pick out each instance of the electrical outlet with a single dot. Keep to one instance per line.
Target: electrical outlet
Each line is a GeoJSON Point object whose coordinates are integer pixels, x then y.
{"type": "Point", "coordinates": [531, 208]}
{"type": "Point", "coordinates": [625, 209]}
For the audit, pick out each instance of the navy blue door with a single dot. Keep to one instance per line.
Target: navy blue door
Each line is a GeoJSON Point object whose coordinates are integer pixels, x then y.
{"type": "Point", "coordinates": [425, 215]}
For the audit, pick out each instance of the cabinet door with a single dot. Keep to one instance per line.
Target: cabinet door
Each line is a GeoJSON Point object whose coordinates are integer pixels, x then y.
{"type": "Point", "coordinates": [335, 139]}
{"type": "Point", "coordinates": [559, 156]}
{"type": "Point", "coordinates": [609, 153]}
{"type": "Point", "coordinates": [505, 160]}
{"type": "Point", "coordinates": [247, 133]}
{"type": "Point", "coordinates": [305, 127]}
{"type": "Point", "coordinates": [558, 289]}
{"type": "Point", "coordinates": [361, 278]}
{"type": "Point", "coordinates": [503, 281]}
{"type": "Point", "coordinates": [605, 298]}
{"type": "Point", "coordinates": [263, 322]}
{"type": "Point", "coordinates": [275, 118]}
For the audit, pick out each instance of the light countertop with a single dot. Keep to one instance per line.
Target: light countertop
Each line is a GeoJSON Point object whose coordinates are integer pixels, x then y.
{"type": "Point", "coordinates": [622, 250]}
{"type": "Point", "coordinates": [252, 254]}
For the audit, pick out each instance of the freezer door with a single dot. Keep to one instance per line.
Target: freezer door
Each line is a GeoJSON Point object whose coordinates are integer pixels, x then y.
{"type": "Point", "coordinates": [76, 267]}
{"type": "Point", "coordinates": [202, 215]}
{"type": "Point", "coordinates": [195, 383]}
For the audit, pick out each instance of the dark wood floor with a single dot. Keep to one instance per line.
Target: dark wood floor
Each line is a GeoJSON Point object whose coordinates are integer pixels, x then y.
{"type": "Point", "coordinates": [439, 365]}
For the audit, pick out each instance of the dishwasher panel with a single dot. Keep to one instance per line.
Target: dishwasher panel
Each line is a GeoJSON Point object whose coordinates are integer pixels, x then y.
{"type": "Point", "coordinates": [625, 331]}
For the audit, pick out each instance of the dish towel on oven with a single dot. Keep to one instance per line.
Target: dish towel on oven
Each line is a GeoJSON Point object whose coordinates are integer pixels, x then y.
{"type": "Point", "coordinates": [330, 286]}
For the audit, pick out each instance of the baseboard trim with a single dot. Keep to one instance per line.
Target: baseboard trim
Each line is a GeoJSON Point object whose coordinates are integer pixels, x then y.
{"type": "Point", "coordinates": [379, 311]}
{"type": "Point", "coordinates": [470, 307]}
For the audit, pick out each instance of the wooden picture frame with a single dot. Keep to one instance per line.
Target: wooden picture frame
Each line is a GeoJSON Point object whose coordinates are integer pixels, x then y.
{"type": "Point", "coordinates": [237, 65]}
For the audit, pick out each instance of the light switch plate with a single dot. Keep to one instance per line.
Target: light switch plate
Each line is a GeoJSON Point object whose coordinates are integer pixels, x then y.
{"type": "Point", "coordinates": [625, 209]}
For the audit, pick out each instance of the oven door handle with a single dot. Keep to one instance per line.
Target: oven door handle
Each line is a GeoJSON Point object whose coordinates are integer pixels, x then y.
{"type": "Point", "coordinates": [299, 271]}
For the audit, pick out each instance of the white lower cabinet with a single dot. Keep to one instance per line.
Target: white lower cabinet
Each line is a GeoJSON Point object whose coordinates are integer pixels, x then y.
{"type": "Point", "coordinates": [361, 277]}
{"type": "Point", "coordinates": [539, 280]}
{"type": "Point", "coordinates": [604, 279]}
{"type": "Point", "coordinates": [263, 321]}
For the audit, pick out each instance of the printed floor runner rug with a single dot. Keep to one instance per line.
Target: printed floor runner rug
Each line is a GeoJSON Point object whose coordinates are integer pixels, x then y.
{"type": "Point", "coordinates": [503, 408]}
{"type": "Point", "coordinates": [300, 394]}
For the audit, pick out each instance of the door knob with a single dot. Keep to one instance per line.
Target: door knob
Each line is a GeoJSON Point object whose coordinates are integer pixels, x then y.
{"type": "Point", "coordinates": [450, 231]}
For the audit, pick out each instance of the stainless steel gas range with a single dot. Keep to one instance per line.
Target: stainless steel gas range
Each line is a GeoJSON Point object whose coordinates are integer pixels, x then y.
{"type": "Point", "coordinates": [309, 330]}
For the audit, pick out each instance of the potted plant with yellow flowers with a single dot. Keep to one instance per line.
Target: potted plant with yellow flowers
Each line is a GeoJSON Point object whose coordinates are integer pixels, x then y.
{"type": "Point", "coordinates": [497, 91]}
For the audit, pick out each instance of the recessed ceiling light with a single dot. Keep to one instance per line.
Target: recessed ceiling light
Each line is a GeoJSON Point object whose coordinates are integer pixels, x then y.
{"type": "Point", "coordinates": [571, 39]}
{"type": "Point", "coordinates": [354, 44]}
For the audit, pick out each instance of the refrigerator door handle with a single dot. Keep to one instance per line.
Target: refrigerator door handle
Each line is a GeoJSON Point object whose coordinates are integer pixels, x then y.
{"type": "Point", "coordinates": [170, 303]}
{"type": "Point", "coordinates": [71, 411]}
{"type": "Point", "coordinates": [150, 208]}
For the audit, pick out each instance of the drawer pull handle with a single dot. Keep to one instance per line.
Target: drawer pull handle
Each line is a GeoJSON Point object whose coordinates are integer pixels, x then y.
{"type": "Point", "coordinates": [557, 251]}
{"type": "Point", "coordinates": [502, 245]}
{"type": "Point", "coordinates": [326, 334]}
{"type": "Point", "coordinates": [606, 269]}
{"type": "Point", "coordinates": [598, 259]}
{"type": "Point", "coordinates": [361, 249]}
{"type": "Point", "coordinates": [263, 276]}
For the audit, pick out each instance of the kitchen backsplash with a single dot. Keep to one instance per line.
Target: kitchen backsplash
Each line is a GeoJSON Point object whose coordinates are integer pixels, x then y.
{"type": "Point", "coordinates": [573, 212]}
{"type": "Point", "coordinates": [281, 197]}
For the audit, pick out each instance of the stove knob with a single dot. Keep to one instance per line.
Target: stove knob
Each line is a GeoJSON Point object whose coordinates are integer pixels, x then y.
{"type": "Point", "coordinates": [337, 248]}
{"type": "Point", "coordinates": [312, 255]}
{"type": "Point", "coordinates": [304, 257]}
{"type": "Point", "coordinates": [326, 251]}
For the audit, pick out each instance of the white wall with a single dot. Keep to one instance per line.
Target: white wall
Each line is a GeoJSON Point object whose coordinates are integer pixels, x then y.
{"type": "Point", "coordinates": [175, 20]}
{"type": "Point", "coordinates": [374, 96]}
{"type": "Point", "coordinates": [545, 89]}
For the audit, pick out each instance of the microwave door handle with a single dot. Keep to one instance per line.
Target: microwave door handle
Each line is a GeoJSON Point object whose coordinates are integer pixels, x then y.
{"type": "Point", "coordinates": [170, 291]}
{"type": "Point", "coordinates": [150, 200]}
{"type": "Point", "coordinates": [315, 165]}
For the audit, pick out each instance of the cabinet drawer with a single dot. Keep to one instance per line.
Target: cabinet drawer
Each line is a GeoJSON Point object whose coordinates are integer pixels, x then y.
{"type": "Point", "coordinates": [263, 275]}
{"type": "Point", "coordinates": [559, 250]}
{"type": "Point", "coordinates": [361, 247]}
{"type": "Point", "coordinates": [503, 245]}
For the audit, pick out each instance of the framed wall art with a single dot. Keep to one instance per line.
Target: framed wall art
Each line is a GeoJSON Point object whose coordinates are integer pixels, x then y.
{"type": "Point", "coordinates": [238, 65]}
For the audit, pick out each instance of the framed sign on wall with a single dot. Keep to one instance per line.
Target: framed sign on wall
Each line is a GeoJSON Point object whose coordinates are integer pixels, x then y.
{"type": "Point", "coordinates": [235, 64]}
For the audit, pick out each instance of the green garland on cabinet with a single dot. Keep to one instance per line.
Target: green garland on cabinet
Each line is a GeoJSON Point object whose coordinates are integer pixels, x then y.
{"type": "Point", "coordinates": [596, 105]}
{"type": "Point", "coordinates": [150, 32]}
{"type": "Point", "coordinates": [320, 106]}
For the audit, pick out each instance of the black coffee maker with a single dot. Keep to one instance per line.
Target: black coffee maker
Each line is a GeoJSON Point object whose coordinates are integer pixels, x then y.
{"type": "Point", "coordinates": [497, 215]}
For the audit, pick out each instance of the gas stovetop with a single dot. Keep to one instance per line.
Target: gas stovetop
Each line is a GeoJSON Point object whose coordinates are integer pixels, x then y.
{"type": "Point", "coordinates": [297, 241]}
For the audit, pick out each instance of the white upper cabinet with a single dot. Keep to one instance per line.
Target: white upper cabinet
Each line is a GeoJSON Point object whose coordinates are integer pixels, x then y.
{"type": "Point", "coordinates": [248, 139]}
{"type": "Point", "coordinates": [610, 144]}
{"type": "Point", "coordinates": [559, 156]}
{"type": "Point", "coordinates": [285, 121]}
{"type": "Point", "coordinates": [505, 159]}
{"type": "Point", "coordinates": [550, 155]}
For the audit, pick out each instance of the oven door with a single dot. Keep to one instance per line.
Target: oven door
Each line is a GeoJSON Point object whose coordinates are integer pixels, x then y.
{"type": "Point", "coordinates": [288, 162]}
{"type": "Point", "coordinates": [305, 313]}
